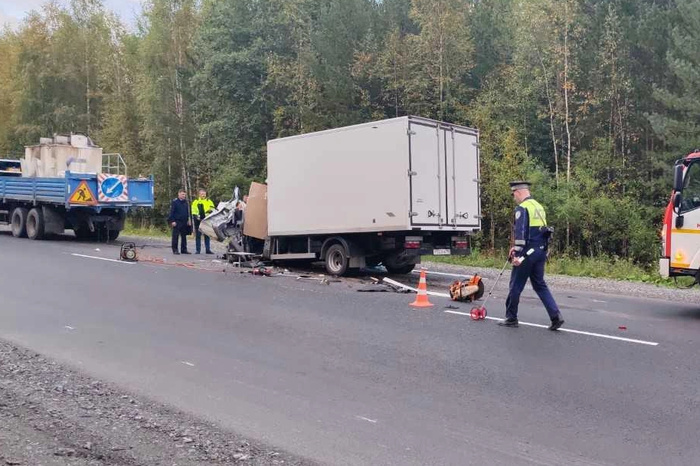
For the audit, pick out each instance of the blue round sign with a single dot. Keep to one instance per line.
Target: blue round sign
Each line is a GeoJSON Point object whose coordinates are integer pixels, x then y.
{"type": "Point", "coordinates": [112, 187]}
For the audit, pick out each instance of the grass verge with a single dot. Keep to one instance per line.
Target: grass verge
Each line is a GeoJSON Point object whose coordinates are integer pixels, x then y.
{"type": "Point", "coordinates": [132, 230]}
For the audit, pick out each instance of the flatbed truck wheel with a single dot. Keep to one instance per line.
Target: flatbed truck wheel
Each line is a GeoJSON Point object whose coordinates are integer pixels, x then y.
{"type": "Point", "coordinates": [18, 222]}
{"type": "Point", "coordinates": [84, 233]}
{"type": "Point", "coordinates": [35, 224]}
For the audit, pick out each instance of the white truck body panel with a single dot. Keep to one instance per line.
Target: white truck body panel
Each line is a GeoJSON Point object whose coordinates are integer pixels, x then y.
{"type": "Point", "coordinates": [400, 174]}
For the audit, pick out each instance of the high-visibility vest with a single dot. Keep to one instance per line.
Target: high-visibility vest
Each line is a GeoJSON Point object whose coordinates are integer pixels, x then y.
{"type": "Point", "coordinates": [535, 212]}
{"type": "Point", "coordinates": [206, 204]}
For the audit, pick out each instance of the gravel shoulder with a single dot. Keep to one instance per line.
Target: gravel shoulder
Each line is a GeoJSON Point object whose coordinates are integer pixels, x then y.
{"type": "Point", "coordinates": [52, 415]}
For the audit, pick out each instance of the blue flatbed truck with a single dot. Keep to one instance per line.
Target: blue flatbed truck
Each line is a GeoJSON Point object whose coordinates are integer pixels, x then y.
{"type": "Point", "coordinates": [94, 206]}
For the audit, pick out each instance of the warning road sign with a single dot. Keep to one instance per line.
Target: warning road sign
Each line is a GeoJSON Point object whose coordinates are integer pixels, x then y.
{"type": "Point", "coordinates": [83, 195]}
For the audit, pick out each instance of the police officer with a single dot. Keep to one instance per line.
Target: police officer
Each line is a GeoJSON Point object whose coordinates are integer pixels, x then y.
{"type": "Point", "coordinates": [529, 255]}
{"type": "Point", "coordinates": [201, 208]}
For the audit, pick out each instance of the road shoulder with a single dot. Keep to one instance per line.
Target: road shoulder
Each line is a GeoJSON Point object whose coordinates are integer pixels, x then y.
{"type": "Point", "coordinates": [50, 414]}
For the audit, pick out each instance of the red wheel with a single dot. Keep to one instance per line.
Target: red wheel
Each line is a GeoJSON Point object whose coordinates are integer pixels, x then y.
{"type": "Point", "coordinates": [483, 313]}
{"type": "Point", "coordinates": [474, 313]}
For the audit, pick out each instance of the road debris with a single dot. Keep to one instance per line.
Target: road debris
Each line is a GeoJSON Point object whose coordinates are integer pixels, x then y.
{"type": "Point", "coordinates": [374, 288]}
{"type": "Point", "coordinates": [321, 279]}
{"type": "Point", "coordinates": [385, 284]}
{"type": "Point", "coordinates": [262, 271]}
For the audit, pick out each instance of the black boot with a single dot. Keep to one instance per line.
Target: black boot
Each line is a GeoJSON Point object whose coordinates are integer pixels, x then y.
{"type": "Point", "coordinates": [509, 323]}
{"type": "Point", "coordinates": [556, 323]}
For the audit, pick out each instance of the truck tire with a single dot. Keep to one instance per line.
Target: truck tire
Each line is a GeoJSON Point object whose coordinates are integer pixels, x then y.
{"type": "Point", "coordinates": [35, 224]}
{"type": "Point", "coordinates": [83, 233]}
{"type": "Point", "coordinates": [112, 235]}
{"type": "Point", "coordinates": [400, 269]}
{"type": "Point", "coordinates": [18, 222]}
{"type": "Point", "coordinates": [397, 264]}
{"type": "Point", "coordinates": [336, 260]}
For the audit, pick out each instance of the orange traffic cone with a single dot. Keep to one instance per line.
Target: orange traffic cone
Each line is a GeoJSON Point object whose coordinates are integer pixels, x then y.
{"type": "Point", "coordinates": [422, 298]}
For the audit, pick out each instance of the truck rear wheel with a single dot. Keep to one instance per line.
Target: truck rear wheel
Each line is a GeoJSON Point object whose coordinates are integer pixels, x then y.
{"type": "Point", "coordinates": [397, 263]}
{"type": "Point", "coordinates": [336, 260]}
{"type": "Point", "coordinates": [401, 269]}
{"type": "Point", "coordinates": [112, 235]}
{"type": "Point", "coordinates": [19, 222]}
{"type": "Point", "coordinates": [83, 233]}
{"type": "Point", "coordinates": [35, 224]}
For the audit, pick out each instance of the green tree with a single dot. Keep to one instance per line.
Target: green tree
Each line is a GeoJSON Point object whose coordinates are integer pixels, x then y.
{"type": "Point", "coordinates": [679, 125]}
{"type": "Point", "coordinates": [164, 94]}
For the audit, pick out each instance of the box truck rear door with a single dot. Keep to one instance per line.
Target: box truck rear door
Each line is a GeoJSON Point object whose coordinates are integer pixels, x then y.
{"type": "Point", "coordinates": [427, 166]}
{"type": "Point", "coordinates": [461, 147]}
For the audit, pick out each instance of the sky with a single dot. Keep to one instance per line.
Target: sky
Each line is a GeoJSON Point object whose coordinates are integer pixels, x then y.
{"type": "Point", "coordinates": [13, 11]}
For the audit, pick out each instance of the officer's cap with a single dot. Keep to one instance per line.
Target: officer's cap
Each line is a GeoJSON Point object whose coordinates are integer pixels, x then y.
{"type": "Point", "coordinates": [515, 185]}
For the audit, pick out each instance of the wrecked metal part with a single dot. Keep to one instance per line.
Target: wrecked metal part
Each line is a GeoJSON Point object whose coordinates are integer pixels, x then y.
{"type": "Point", "coordinates": [242, 259]}
{"type": "Point", "coordinates": [322, 279]}
{"type": "Point", "coordinates": [388, 284]}
{"type": "Point", "coordinates": [223, 222]}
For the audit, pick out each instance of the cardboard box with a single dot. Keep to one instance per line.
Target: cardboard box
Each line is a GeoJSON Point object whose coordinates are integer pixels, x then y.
{"type": "Point", "coordinates": [256, 212]}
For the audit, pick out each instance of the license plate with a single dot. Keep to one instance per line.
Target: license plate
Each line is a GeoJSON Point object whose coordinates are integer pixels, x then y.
{"type": "Point", "coordinates": [441, 252]}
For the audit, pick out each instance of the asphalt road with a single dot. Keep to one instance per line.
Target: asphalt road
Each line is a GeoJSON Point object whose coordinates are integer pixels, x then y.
{"type": "Point", "coordinates": [343, 377]}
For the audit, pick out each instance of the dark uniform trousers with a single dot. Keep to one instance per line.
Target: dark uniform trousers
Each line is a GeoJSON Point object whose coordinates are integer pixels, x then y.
{"type": "Point", "coordinates": [533, 268]}
{"type": "Point", "coordinates": [180, 232]}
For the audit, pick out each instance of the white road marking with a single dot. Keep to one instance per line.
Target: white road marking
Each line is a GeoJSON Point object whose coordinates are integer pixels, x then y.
{"type": "Point", "coordinates": [528, 324]}
{"type": "Point", "coordinates": [69, 327]}
{"type": "Point", "coordinates": [102, 259]}
{"type": "Point", "coordinates": [373, 421]}
{"type": "Point", "coordinates": [186, 363]}
{"type": "Point", "coordinates": [569, 330]}
{"type": "Point", "coordinates": [599, 301]}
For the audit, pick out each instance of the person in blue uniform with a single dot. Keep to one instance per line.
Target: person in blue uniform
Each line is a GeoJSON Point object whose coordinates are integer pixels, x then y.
{"type": "Point", "coordinates": [529, 255]}
{"type": "Point", "coordinates": [180, 222]}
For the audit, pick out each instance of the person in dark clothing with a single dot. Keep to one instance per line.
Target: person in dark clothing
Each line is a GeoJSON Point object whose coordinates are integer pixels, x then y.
{"type": "Point", "coordinates": [529, 255]}
{"type": "Point", "coordinates": [179, 220]}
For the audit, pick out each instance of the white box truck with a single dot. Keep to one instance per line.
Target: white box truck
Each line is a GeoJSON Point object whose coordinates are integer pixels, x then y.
{"type": "Point", "coordinates": [384, 192]}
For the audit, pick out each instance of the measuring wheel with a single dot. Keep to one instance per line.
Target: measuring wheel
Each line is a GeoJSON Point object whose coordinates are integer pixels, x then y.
{"type": "Point", "coordinates": [478, 313]}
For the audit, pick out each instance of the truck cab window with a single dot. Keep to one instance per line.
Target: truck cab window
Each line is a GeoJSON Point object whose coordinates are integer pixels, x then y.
{"type": "Point", "coordinates": [691, 190]}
